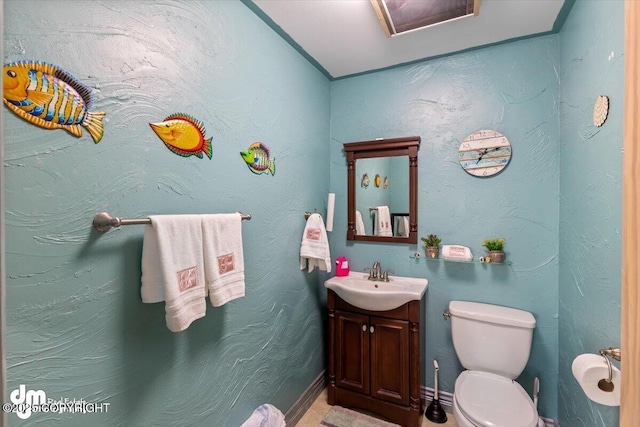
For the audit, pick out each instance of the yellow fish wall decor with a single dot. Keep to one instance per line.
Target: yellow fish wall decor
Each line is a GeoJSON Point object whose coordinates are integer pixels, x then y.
{"type": "Point", "coordinates": [50, 97]}
{"type": "Point", "coordinates": [183, 135]}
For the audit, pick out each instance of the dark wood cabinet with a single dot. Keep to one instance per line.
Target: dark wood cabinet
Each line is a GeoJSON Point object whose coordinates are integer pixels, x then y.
{"type": "Point", "coordinates": [374, 360]}
{"type": "Point", "coordinates": [352, 350]}
{"type": "Point", "coordinates": [390, 360]}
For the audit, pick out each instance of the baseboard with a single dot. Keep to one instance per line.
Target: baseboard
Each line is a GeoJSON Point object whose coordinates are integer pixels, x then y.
{"type": "Point", "coordinates": [445, 398]}
{"type": "Point", "coordinates": [446, 402]}
{"type": "Point", "coordinates": [298, 409]}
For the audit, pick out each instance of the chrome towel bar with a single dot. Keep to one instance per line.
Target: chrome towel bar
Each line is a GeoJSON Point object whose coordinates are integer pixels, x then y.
{"type": "Point", "coordinates": [104, 221]}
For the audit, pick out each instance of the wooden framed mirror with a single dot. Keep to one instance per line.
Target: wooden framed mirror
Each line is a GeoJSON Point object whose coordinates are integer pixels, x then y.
{"type": "Point", "coordinates": [396, 161]}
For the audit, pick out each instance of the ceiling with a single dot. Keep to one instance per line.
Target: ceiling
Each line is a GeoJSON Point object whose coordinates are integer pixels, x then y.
{"type": "Point", "coordinates": [344, 37]}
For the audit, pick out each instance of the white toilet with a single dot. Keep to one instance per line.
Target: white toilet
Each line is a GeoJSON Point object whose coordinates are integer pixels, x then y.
{"type": "Point", "coordinates": [493, 343]}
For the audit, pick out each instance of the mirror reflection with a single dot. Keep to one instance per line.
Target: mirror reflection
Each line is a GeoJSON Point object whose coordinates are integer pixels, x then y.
{"type": "Point", "coordinates": [382, 190]}
{"type": "Point", "coordinates": [382, 196]}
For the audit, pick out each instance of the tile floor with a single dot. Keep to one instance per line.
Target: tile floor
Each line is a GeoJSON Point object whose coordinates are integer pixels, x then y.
{"type": "Point", "coordinates": [319, 409]}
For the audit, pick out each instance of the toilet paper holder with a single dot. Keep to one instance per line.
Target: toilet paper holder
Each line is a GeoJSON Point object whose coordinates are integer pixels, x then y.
{"type": "Point", "coordinates": [606, 384]}
{"type": "Point", "coordinates": [613, 352]}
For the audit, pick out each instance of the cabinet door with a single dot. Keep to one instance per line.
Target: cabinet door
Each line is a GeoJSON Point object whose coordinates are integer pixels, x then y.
{"type": "Point", "coordinates": [390, 360]}
{"type": "Point", "coordinates": [352, 351]}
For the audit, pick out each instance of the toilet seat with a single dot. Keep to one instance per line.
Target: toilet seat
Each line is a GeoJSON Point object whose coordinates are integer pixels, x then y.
{"type": "Point", "coordinates": [490, 400]}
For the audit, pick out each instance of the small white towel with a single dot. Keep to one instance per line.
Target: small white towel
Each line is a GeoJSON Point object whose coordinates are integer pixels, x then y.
{"type": "Point", "coordinates": [224, 257]}
{"type": "Point", "coordinates": [314, 248]}
{"type": "Point", "coordinates": [383, 221]}
{"type": "Point", "coordinates": [456, 252]}
{"type": "Point", "coordinates": [265, 415]}
{"type": "Point", "coordinates": [172, 268]}
{"type": "Point", "coordinates": [359, 224]}
{"type": "Point", "coordinates": [403, 226]}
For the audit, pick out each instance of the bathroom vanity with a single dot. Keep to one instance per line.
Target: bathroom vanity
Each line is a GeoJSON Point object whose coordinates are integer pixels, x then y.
{"type": "Point", "coordinates": [374, 359]}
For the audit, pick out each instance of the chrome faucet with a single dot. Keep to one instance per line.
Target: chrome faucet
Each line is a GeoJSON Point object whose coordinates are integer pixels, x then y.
{"type": "Point", "coordinates": [376, 274]}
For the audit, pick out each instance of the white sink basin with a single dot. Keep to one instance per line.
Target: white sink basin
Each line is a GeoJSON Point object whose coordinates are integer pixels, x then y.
{"type": "Point", "coordinates": [358, 291]}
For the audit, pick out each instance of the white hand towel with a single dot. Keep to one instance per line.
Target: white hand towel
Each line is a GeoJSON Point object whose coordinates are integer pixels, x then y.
{"type": "Point", "coordinates": [403, 226]}
{"type": "Point", "coordinates": [359, 224]}
{"type": "Point", "coordinates": [383, 221]}
{"type": "Point", "coordinates": [224, 257]}
{"type": "Point", "coordinates": [314, 248]}
{"type": "Point", "coordinates": [172, 268]}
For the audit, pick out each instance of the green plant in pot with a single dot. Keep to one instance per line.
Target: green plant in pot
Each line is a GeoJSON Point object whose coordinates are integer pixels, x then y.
{"type": "Point", "coordinates": [496, 250]}
{"type": "Point", "coordinates": [431, 243]}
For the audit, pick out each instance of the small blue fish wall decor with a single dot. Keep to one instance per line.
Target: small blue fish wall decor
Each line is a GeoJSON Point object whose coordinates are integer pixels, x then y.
{"type": "Point", "coordinates": [258, 159]}
{"type": "Point", "coordinates": [364, 183]}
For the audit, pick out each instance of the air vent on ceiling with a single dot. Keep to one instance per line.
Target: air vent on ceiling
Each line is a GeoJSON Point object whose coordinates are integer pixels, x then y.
{"type": "Point", "coordinates": [400, 16]}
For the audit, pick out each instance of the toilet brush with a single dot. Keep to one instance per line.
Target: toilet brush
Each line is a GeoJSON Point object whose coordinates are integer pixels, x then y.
{"type": "Point", "coordinates": [434, 412]}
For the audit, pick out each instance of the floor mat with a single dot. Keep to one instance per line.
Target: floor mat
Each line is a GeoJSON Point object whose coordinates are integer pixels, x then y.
{"type": "Point", "coordinates": [343, 417]}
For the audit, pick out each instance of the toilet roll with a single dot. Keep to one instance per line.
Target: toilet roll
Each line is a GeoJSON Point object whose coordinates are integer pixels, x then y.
{"type": "Point", "coordinates": [331, 201]}
{"type": "Point", "coordinates": [588, 370]}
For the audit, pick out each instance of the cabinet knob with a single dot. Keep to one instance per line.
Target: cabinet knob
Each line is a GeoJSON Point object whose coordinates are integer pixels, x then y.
{"type": "Point", "coordinates": [364, 328]}
{"type": "Point", "coordinates": [371, 329]}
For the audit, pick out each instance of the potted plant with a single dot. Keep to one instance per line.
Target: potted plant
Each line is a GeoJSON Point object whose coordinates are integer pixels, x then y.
{"type": "Point", "coordinates": [496, 250]}
{"type": "Point", "coordinates": [431, 243]}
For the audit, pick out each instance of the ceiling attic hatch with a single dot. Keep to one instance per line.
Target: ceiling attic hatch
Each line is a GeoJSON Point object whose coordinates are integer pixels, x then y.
{"type": "Point", "coordinates": [401, 16]}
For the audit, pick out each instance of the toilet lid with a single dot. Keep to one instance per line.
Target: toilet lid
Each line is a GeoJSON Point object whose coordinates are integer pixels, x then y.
{"type": "Point", "coordinates": [489, 400]}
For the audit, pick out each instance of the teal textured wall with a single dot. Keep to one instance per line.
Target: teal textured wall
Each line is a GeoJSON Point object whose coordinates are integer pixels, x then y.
{"type": "Point", "coordinates": [592, 64]}
{"type": "Point", "coordinates": [512, 88]}
{"type": "Point", "coordinates": [76, 325]}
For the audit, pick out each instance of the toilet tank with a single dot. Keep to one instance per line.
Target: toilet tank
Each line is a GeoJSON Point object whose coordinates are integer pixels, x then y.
{"type": "Point", "coordinates": [491, 338]}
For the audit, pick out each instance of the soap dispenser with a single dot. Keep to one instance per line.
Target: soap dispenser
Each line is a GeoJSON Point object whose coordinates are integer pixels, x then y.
{"type": "Point", "coordinates": [342, 266]}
